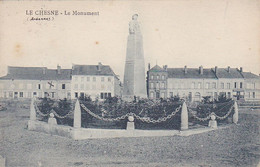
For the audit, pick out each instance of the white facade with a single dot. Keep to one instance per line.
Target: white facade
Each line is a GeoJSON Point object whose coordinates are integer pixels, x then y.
{"type": "Point", "coordinates": [95, 86]}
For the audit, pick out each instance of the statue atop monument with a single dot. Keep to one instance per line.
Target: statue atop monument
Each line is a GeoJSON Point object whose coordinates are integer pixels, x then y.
{"type": "Point", "coordinates": [134, 27]}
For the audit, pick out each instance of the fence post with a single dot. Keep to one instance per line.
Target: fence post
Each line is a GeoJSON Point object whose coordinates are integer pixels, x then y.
{"type": "Point", "coordinates": [77, 115]}
{"type": "Point", "coordinates": [235, 116]}
{"type": "Point", "coordinates": [32, 111]}
{"type": "Point", "coordinates": [184, 116]}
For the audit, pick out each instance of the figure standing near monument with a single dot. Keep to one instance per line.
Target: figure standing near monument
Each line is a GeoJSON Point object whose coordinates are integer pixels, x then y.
{"type": "Point", "coordinates": [134, 75]}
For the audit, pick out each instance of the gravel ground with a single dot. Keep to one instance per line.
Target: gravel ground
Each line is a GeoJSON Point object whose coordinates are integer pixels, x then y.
{"type": "Point", "coordinates": [237, 145]}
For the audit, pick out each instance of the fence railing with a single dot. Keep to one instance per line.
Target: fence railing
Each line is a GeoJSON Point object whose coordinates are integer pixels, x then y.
{"type": "Point", "coordinates": [185, 111]}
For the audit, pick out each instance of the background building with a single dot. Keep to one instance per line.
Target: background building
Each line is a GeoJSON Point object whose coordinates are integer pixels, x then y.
{"type": "Point", "coordinates": [195, 83]}
{"type": "Point", "coordinates": [96, 81]}
{"type": "Point", "coordinates": [27, 82]}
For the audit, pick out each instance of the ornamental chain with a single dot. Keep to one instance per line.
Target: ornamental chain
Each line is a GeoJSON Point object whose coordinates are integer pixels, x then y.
{"type": "Point", "coordinates": [213, 113]}
{"type": "Point", "coordinates": [143, 119]}
{"type": "Point", "coordinates": [54, 112]}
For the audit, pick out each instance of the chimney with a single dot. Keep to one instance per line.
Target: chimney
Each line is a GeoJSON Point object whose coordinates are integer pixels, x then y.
{"type": "Point", "coordinates": [44, 70]}
{"type": "Point", "coordinates": [99, 66]}
{"type": "Point", "coordinates": [185, 70]}
{"type": "Point", "coordinates": [149, 66]}
{"type": "Point", "coordinates": [241, 69]}
{"type": "Point", "coordinates": [201, 70]}
{"type": "Point", "coordinates": [216, 69]}
{"type": "Point", "coordinates": [228, 69]}
{"type": "Point", "coordinates": [59, 69]}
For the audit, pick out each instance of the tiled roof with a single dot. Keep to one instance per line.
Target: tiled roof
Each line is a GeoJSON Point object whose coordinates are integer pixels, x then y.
{"type": "Point", "coordinates": [191, 73]}
{"type": "Point", "coordinates": [223, 73]}
{"type": "Point", "coordinates": [249, 75]}
{"type": "Point", "coordinates": [36, 73]}
{"type": "Point", "coordinates": [92, 70]}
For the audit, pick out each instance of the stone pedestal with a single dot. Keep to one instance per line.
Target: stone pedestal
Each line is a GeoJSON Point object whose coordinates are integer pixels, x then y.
{"type": "Point", "coordinates": [130, 124]}
{"type": "Point", "coordinates": [32, 111]}
{"type": "Point", "coordinates": [52, 120]}
{"type": "Point", "coordinates": [184, 117]}
{"type": "Point", "coordinates": [213, 122]}
{"type": "Point", "coordinates": [235, 116]}
{"type": "Point", "coordinates": [77, 116]}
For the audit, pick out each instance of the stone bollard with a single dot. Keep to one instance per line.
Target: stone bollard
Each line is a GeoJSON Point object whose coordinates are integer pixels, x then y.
{"type": "Point", "coordinates": [77, 116]}
{"type": "Point", "coordinates": [130, 123]}
{"type": "Point", "coordinates": [184, 117]}
{"type": "Point", "coordinates": [32, 111]}
{"type": "Point", "coordinates": [235, 116]}
{"type": "Point", "coordinates": [52, 120]}
{"type": "Point", "coordinates": [213, 122]}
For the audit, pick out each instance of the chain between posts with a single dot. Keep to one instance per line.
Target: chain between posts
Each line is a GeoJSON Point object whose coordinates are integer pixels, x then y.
{"type": "Point", "coordinates": [213, 113]}
{"type": "Point", "coordinates": [52, 111]}
{"type": "Point", "coordinates": [143, 119]}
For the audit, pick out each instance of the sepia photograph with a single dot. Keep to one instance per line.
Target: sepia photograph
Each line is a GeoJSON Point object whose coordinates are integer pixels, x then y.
{"type": "Point", "coordinates": [130, 83]}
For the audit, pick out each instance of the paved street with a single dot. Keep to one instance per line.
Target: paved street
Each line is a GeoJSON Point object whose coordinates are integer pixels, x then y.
{"type": "Point", "coordinates": [237, 145]}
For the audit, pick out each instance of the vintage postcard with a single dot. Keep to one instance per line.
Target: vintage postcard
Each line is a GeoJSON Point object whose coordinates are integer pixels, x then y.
{"type": "Point", "coordinates": [130, 83]}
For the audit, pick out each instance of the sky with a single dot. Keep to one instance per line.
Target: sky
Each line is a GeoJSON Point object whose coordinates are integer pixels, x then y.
{"type": "Point", "coordinates": [175, 33]}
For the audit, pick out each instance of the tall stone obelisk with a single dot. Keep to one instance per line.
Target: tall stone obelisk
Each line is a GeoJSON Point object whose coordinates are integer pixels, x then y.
{"type": "Point", "coordinates": [134, 76]}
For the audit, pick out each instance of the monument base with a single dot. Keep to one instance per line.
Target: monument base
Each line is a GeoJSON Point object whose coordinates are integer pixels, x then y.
{"type": "Point", "coordinates": [130, 126]}
{"type": "Point", "coordinates": [213, 124]}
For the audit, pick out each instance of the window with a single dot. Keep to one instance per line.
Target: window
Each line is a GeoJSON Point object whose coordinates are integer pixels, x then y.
{"type": "Point", "coordinates": [158, 77]}
{"type": "Point", "coordinates": [235, 85]}
{"type": "Point", "coordinates": [199, 85]}
{"type": "Point", "coordinates": [63, 86]}
{"type": "Point", "coordinates": [109, 79]}
{"type": "Point", "coordinates": [94, 79]}
{"type": "Point", "coordinates": [76, 95]}
{"type": "Point", "coordinates": [105, 95]}
{"type": "Point", "coordinates": [34, 93]}
{"type": "Point", "coordinates": [171, 94]}
{"type": "Point", "coordinates": [228, 85]}
{"type": "Point", "coordinates": [102, 79]}
{"type": "Point", "coordinates": [39, 86]}
{"type": "Point", "coordinates": [163, 77]}
{"type": "Point", "coordinates": [81, 94]}
{"type": "Point", "coordinates": [157, 85]}
{"type": "Point", "coordinates": [254, 86]}
{"type": "Point", "coordinates": [10, 94]}
{"type": "Point", "coordinates": [152, 85]}
{"type": "Point", "coordinates": [102, 95]}
{"type": "Point", "coordinates": [152, 95]}
{"type": "Point", "coordinates": [109, 94]}
{"type": "Point", "coordinates": [21, 94]}
{"type": "Point", "coordinates": [214, 85]}
{"type": "Point", "coordinates": [192, 85]}
{"type": "Point", "coordinates": [207, 85]}
{"type": "Point", "coordinates": [163, 95]}
{"type": "Point", "coordinates": [253, 94]}
{"type": "Point", "coordinates": [163, 85]}
{"type": "Point", "coordinates": [88, 78]}
{"type": "Point", "coordinates": [222, 85]}
{"type": "Point", "coordinates": [151, 77]}
{"type": "Point", "coordinates": [248, 94]}
{"type": "Point", "coordinates": [241, 84]}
